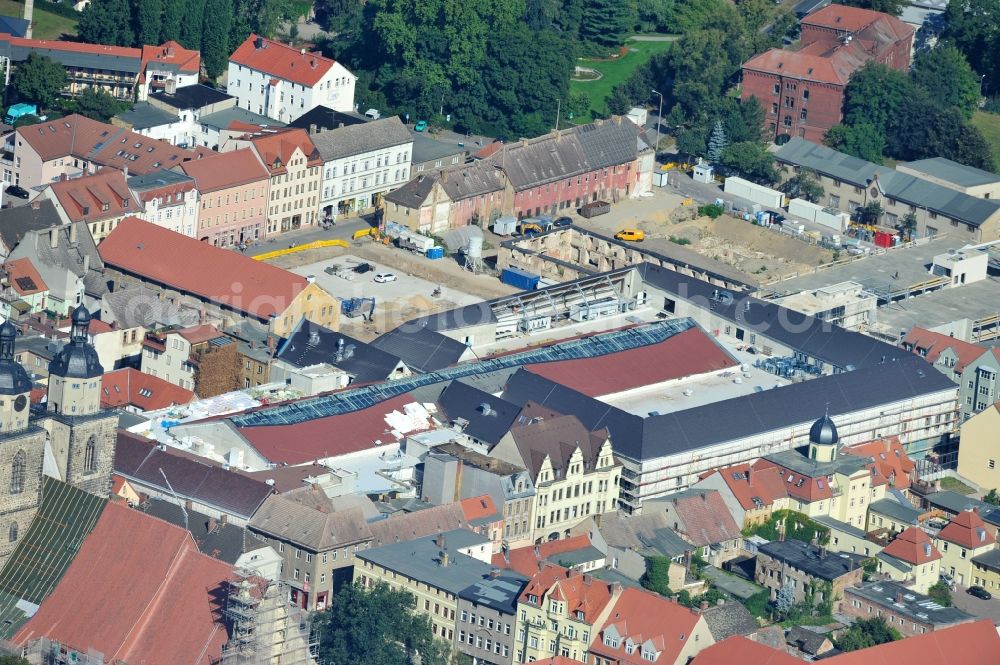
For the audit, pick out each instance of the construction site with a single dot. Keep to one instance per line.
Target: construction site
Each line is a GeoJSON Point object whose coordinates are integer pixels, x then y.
{"type": "Point", "coordinates": [264, 627]}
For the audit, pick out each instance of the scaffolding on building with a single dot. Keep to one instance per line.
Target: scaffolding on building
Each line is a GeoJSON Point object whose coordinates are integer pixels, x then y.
{"type": "Point", "coordinates": [265, 628]}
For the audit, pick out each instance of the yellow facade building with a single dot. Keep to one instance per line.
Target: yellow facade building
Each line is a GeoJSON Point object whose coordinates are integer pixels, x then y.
{"type": "Point", "coordinates": [979, 450]}
{"type": "Point", "coordinates": [964, 538]}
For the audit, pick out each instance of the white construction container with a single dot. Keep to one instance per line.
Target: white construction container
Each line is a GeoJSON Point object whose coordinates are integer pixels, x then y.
{"type": "Point", "coordinates": [831, 218]}
{"type": "Point", "coordinates": [638, 115]}
{"type": "Point", "coordinates": [594, 309]}
{"type": "Point", "coordinates": [661, 178]}
{"type": "Point", "coordinates": [770, 198]}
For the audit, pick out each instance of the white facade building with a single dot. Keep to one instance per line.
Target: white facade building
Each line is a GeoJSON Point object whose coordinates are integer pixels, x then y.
{"type": "Point", "coordinates": [168, 199]}
{"type": "Point", "coordinates": [280, 82]}
{"type": "Point", "coordinates": [361, 163]}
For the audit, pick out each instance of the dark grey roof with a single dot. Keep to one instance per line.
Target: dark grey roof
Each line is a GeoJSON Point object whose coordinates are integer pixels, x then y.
{"type": "Point", "coordinates": [954, 503]}
{"type": "Point", "coordinates": [17, 27]}
{"type": "Point", "coordinates": [460, 400]}
{"type": "Point", "coordinates": [223, 541]}
{"type": "Point", "coordinates": [222, 119]}
{"type": "Point", "coordinates": [71, 58]}
{"type": "Point", "coordinates": [499, 593]}
{"type": "Point", "coordinates": [729, 619]}
{"type": "Point", "coordinates": [324, 117]}
{"type": "Point", "coordinates": [610, 143]}
{"type": "Point", "coordinates": [910, 604]}
{"type": "Point", "coordinates": [312, 344]}
{"type": "Point", "coordinates": [470, 180]}
{"type": "Point", "coordinates": [904, 513]}
{"type": "Point", "coordinates": [576, 557]}
{"type": "Point", "coordinates": [39, 346]}
{"type": "Point", "coordinates": [141, 460]}
{"type": "Point", "coordinates": [427, 149]}
{"type": "Point", "coordinates": [421, 347]}
{"type": "Point", "coordinates": [800, 463]}
{"type": "Point", "coordinates": [66, 255]}
{"type": "Point", "coordinates": [191, 97]}
{"type": "Point", "coordinates": [903, 187]}
{"type": "Point", "coordinates": [824, 432]}
{"type": "Point", "coordinates": [77, 359]}
{"type": "Point", "coordinates": [421, 560]}
{"type": "Point", "coordinates": [358, 139]}
{"type": "Point", "coordinates": [16, 222]}
{"type": "Point", "coordinates": [809, 559]}
{"type": "Point", "coordinates": [836, 524]}
{"type": "Point", "coordinates": [14, 379]}
{"type": "Point", "coordinates": [953, 172]}
{"type": "Point", "coordinates": [414, 193]}
{"type": "Point", "coordinates": [990, 559]}
{"type": "Point", "coordinates": [144, 115]}
{"type": "Point", "coordinates": [806, 639]}
{"type": "Point", "coordinates": [157, 179]}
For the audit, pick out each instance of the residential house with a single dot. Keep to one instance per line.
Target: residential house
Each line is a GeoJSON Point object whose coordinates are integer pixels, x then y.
{"type": "Point", "coordinates": [185, 106]}
{"type": "Point", "coordinates": [75, 145]}
{"type": "Point", "coordinates": [487, 618]}
{"type": "Point", "coordinates": [67, 260]}
{"type": "Point", "coordinates": [728, 618]}
{"type": "Point", "coordinates": [986, 570]}
{"type": "Point", "coordinates": [961, 178]}
{"type": "Point", "coordinates": [632, 539]}
{"type": "Point", "coordinates": [124, 73]}
{"type": "Point", "coordinates": [483, 517]}
{"type": "Point", "coordinates": [480, 419]}
{"type": "Point", "coordinates": [802, 90]}
{"type": "Point", "coordinates": [979, 388]}
{"type": "Point", "coordinates": [574, 470]}
{"type": "Point", "coordinates": [435, 569]}
{"type": "Point", "coordinates": [323, 118]}
{"type": "Point", "coordinates": [851, 183]}
{"type": "Point", "coordinates": [200, 359]}
{"type": "Point", "coordinates": [447, 199]}
{"type": "Point", "coordinates": [233, 188]}
{"type": "Point", "coordinates": [911, 558]}
{"type": "Point", "coordinates": [282, 82]}
{"type": "Point", "coordinates": [606, 160]}
{"type": "Point", "coordinates": [361, 164]}
{"type": "Point", "coordinates": [311, 344]}
{"type": "Point", "coordinates": [226, 284]}
{"type": "Point", "coordinates": [893, 515]}
{"type": "Point", "coordinates": [889, 460]}
{"type": "Point", "coordinates": [951, 504]}
{"type": "Point", "coordinates": [904, 610]}
{"type": "Point", "coordinates": [430, 154]}
{"type": "Point", "coordinates": [131, 390]}
{"type": "Point", "coordinates": [316, 537]}
{"type": "Point", "coordinates": [100, 201]}
{"type": "Point", "coordinates": [168, 199]}
{"type": "Point", "coordinates": [751, 494]}
{"type": "Point", "coordinates": [560, 612]}
{"type": "Point", "coordinates": [253, 346]}
{"type": "Point", "coordinates": [700, 517]}
{"type": "Point", "coordinates": [575, 553]}
{"type": "Point", "coordinates": [949, 355]}
{"type": "Point", "coordinates": [294, 167]}
{"type": "Point", "coordinates": [27, 284]}
{"type": "Point", "coordinates": [978, 455]}
{"type": "Point", "coordinates": [961, 540]}
{"type": "Point", "coordinates": [38, 215]}
{"type": "Point", "coordinates": [806, 569]}
{"type": "Point", "coordinates": [644, 627]}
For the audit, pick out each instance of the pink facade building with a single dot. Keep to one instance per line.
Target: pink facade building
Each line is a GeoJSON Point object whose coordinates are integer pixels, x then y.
{"type": "Point", "coordinates": [234, 195]}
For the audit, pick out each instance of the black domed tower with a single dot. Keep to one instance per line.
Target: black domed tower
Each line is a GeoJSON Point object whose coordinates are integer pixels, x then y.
{"type": "Point", "coordinates": [15, 385]}
{"type": "Point", "coordinates": [75, 372]}
{"type": "Point", "coordinates": [823, 440]}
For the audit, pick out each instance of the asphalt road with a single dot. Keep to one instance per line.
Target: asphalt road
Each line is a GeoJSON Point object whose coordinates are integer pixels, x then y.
{"type": "Point", "coordinates": [984, 609]}
{"type": "Point", "coordinates": [343, 230]}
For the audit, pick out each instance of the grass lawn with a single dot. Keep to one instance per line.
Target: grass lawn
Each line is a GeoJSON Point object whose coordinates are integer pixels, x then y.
{"type": "Point", "coordinates": [615, 71]}
{"type": "Point", "coordinates": [47, 25]}
{"type": "Point", "coordinates": [956, 485]}
{"type": "Point", "coordinates": [989, 125]}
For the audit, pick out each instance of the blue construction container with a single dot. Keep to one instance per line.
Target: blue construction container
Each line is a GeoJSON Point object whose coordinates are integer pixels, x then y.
{"type": "Point", "coordinates": [521, 279]}
{"type": "Point", "coordinates": [435, 253]}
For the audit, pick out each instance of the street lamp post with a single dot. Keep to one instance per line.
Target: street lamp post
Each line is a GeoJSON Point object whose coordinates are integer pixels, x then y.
{"type": "Point", "coordinates": [659, 117]}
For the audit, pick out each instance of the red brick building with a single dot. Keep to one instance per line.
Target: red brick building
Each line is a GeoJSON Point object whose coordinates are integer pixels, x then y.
{"type": "Point", "coordinates": [802, 91]}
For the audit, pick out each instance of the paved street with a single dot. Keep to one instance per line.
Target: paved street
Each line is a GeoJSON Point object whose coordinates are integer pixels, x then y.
{"type": "Point", "coordinates": [343, 230]}
{"type": "Point", "coordinates": [985, 609]}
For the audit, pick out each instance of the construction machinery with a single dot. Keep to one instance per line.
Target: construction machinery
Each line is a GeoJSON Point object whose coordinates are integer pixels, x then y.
{"type": "Point", "coordinates": [525, 228]}
{"type": "Point", "coordinates": [355, 307]}
{"type": "Point", "coordinates": [365, 233]}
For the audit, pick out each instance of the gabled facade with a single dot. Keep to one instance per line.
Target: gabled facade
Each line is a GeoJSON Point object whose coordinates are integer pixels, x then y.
{"type": "Point", "coordinates": [949, 355]}
{"type": "Point", "coordinates": [978, 387]}
{"type": "Point", "coordinates": [750, 491]}
{"type": "Point", "coordinates": [233, 190]}
{"type": "Point", "coordinates": [979, 454]}
{"type": "Point", "coordinates": [100, 201]}
{"type": "Point", "coordinates": [962, 539]}
{"type": "Point", "coordinates": [447, 199]}
{"type": "Point", "coordinates": [168, 199]}
{"type": "Point", "coordinates": [912, 559]}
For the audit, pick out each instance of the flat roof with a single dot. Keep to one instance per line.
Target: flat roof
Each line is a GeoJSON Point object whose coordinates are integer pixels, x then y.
{"type": "Point", "coordinates": [896, 510]}
{"type": "Point", "coordinates": [953, 172]}
{"type": "Point", "coordinates": [810, 560]}
{"type": "Point", "coordinates": [931, 310]}
{"type": "Point", "coordinates": [910, 604]}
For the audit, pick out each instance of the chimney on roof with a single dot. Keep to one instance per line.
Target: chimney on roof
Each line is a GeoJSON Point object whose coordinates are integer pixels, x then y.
{"type": "Point", "coordinates": [72, 233]}
{"type": "Point", "coordinates": [439, 541]}
{"type": "Point", "coordinates": [125, 171]}
{"type": "Point", "coordinates": [86, 263]}
{"type": "Point", "coordinates": [313, 130]}
{"type": "Point", "coordinates": [302, 51]}
{"type": "Point", "coordinates": [211, 524]}
{"type": "Point", "coordinates": [749, 469]}
{"type": "Point", "coordinates": [170, 51]}
{"type": "Point", "coordinates": [538, 551]}
{"type": "Point", "coordinates": [171, 86]}
{"type": "Point", "coordinates": [54, 237]}
{"type": "Point", "coordinates": [259, 42]}
{"type": "Point", "coordinates": [340, 356]}
{"type": "Point", "coordinates": [224, 519]}
{"type": "Point", "coordinates": [443, 559]}
{"type": "Point", "coordinates": [494, 573]}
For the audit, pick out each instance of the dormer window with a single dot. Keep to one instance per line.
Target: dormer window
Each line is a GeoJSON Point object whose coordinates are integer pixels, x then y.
{"type": "Point", "coordinates": [927, 549]}
{"type": "Point", "coordinates": [629, 647]}
{"type": "Point", "coordinates": [579, 615]}
{"type": "Point", "coordinates": [610, 641]}
{"type": "Point", "coordinates": [532, 599]}
{"type": "Point", "coordinates": [649, 655]}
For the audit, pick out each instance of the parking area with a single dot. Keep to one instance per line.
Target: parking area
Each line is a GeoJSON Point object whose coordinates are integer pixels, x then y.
{"type": "Point", "coordinates": [984, 609]}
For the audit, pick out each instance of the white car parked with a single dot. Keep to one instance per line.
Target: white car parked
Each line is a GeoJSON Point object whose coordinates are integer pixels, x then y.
{"type": "Point", "coordinates": [384, 277]}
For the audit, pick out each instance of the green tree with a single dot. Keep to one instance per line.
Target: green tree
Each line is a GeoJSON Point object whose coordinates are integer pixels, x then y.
{"type": "Point", "coordinates": [893, 7]}
{"type": "Point", "coordinates": [804, 184]}
{"type": "Point", "coordinates": [717, 143]}
{"type": "Point", "coordinates": [39, 79]}
{"type": "Point", "coordinates": [26, 120]}
{"type": "Point", "coordinates": [148, 21]}
{"type": "Point", "coordinates": [13, 660]}
{"type": "Point", "coordinates": [657, 575]}
{"type": "Point", "coordinates": [377, 626]}
{"type": "Point", "coordinates": [215, 36]}
{"type": "Point", "coordinates": [870, 213]}
{"type": "Point", "coordinates": [992, 498]}
{"type": "Point", "coordinates": [751, 161]}
{"type": "Point", "coordinates": [704, 63]}
{"type": "Point", "coordinates": [941, 594]}
{"type": "Point", "coordinates": [973, 27]}
{"type": "Point", "coordinates": [191, 26]}
{"type": "Point", "coordinates": [863, 140]}
{"type": "Point", "coordinates": [605, 22]}
{"type": "Point", "coordinates": [173, 16]}
{"type": "Point", "coordinates": [98, 104]}
{"type": "Point", "coordinates": [908, 225]}
{"type": "Point", "coordinates": [945, 73]}
{"type": "Point", "coordinates": [107, 22]}
{"type": "Point", "coordinates": [866, 633]}
{"type": "Point", "coordinates": [875, 95]}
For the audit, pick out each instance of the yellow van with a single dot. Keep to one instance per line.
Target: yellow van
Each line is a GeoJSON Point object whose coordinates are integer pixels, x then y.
{"type": "Point", "coordinates": [631, 235]}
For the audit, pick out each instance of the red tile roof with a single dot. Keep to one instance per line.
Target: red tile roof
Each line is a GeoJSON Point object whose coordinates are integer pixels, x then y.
{"type": "Point", "coordinates": [891, 460]}
{"type": "Point", "coordinates": [199, 334]}
{"type": "Point", "coordinates": [24, 278]}
{"type": "Point", "coordinates": [276, 149]}
{"type": "Point", "coordinates": [913, 546]}
{"type": "Point", "coordinates": [743, 651]}
{"type": "Point", "coordinates": [91, 198]}
{"type": "Point", "coordinates": [529, 560]}
{"type": "Point", "coordinates": [130, 387]}
{"type": "Point", "coordinates": [747, 483]}
{"type": "Point", "coordinates": [325, 437]}
{"type": "Point", "coordinates": [172, 55]}
{"type": "Point", "coordinates": [975, 643]}
{"type": "Point", "coordinates": [479, 507]}
{"type": "Point", "coordinates": [74, 47]}
{"type": "Point", "coordinates": [138, 591]}
{"type": "Point", "coordinates": [967, 529]}
{"type": "Point", "coordinates": [102, 144]}
{"type": "Point", "coordinates": [798, 485]}
{"type": "Point", "coordinates": [582, 592]}
{"type": "Point", "coordinates": [704, 518]}
{"type": "Point", "coordinates": [851, 19]}
{"type": "Point", "coordinates": [685, 354]}
{"type": "Point", "coordinates": [816, 62]}
{"type": "Point", "coordinates": [214, 274]}
{"type": "Point", "coordinates": [930, 344]}
{"type": "Point", "coordinates": [226, 169]}
{"type": "Point", "coordinates": [282, 61]}
{"type": "Point", "coordinates": [641, 616]}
